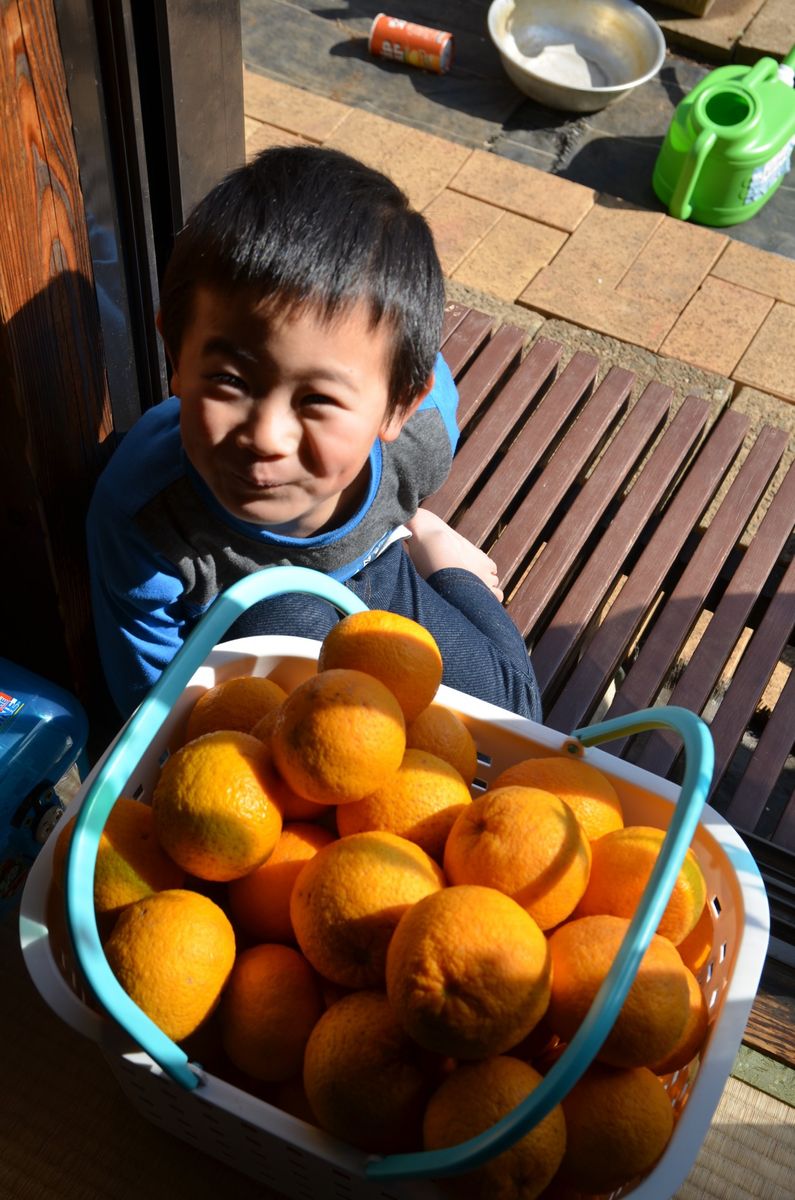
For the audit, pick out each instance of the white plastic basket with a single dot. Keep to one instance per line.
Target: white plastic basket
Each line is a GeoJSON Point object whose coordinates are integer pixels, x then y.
{"type": "Point", "coordinates": [300, 1161]}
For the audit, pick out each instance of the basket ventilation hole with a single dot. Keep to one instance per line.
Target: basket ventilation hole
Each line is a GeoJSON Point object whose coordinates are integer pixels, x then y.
{"type": "Point", "coordinates": [710, 967]}
{"type": "Point", "coordinates": [139, 791]}
{"type": "Point", "coordinates": [485, 760]}
{"type": "Point", "coordinates": [723, 950]}
{"type": "Point", "coordinates": [163, 757]}
{"type": "Point", "coordinates": [716, 906]}
{"type": "Point", "coordinates": [479, 785]}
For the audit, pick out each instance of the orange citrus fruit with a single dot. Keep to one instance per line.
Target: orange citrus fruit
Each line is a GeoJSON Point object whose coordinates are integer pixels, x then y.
{"type": "Point", "coordinates": [419, 802]}
{"type": "Point", "coordinates": [339, 736]}
{"type": "Point", "coordinates": [618, 1122]}
{"type": "Point", "coordinates": [524, 842]}
{"type": "Point", "coordinates": [260, 901]}
{"type": "Point", "coordinates": [172, 953]}
{"type": "Point", "coordinates": [621, 866]}
{"type": "Point", "coordinates": [214, 805]}
{"type": "Point", "coordinates": [131, 863]}
{"type": "Point", "coordinates": [348, 899]}
{"type": "Point", "coordinates": [696, 949]}
{"type": "Point", "coordinates": [366, 1081]}
{"type": "Point", "coordinates": [395, 649]}
{"type": "Point", "coordinates": [270, 1006]}
{"type": "Point", "coordinates": [692, 1036]}
{"type": "Point", "coordinates": [587, 790]}
{"type": "Point", "coordinates": [654, 1013]}
{"type": "Point", "coordinates": [472, 1099]}
{"type": "Point", "coordinates": [440, 731]}
{"type": "Point", "coordinates": [293, 806]}
{"type": "Point", "coordinates": [467, 972]}
{"type": "Point", "coordinates": [237, 703]}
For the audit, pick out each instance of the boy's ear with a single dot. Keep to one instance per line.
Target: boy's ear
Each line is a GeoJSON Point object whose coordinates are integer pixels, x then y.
{"type": "Point", "coordinates": [391, 428]}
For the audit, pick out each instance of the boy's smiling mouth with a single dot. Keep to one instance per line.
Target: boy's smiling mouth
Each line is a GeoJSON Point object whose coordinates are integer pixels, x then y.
{"type": "Point", "coordinates": [256, 484]}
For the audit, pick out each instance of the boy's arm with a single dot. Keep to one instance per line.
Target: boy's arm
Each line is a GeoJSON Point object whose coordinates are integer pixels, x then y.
{"type": "Point", "coordinates": [135, 603]}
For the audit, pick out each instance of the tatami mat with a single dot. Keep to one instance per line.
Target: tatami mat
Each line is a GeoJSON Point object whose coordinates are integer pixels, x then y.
{"type": "Point", "coordinates": [69, 1133]}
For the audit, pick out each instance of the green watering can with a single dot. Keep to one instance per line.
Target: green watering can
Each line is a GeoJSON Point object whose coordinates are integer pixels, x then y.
{"type": "Point", "coordinates": [729, 144]}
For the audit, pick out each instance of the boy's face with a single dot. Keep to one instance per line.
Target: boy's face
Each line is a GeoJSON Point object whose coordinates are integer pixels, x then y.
{"type": "Point", "coordinates": [279, 414]}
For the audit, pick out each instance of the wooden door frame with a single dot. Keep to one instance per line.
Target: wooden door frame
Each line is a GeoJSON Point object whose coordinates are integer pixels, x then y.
{"type": "Point", "coordinates": [56, 409]}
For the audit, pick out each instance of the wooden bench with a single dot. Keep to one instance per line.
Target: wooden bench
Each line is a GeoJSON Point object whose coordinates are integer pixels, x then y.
{"type": "Point", "coordinates": [593, 508]}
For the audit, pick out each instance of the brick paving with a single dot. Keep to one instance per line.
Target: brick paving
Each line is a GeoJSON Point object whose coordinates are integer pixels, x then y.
{"type": "Point", "coordinates": [321, 49]}
{"type": "Point", "coordinates": [714, 35]}
{"type": "Point", "coordinates": [555, 247]}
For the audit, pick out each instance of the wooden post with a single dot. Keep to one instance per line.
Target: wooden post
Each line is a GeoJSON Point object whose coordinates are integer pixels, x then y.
{"type": "Point", "coordinates": [54, 411]}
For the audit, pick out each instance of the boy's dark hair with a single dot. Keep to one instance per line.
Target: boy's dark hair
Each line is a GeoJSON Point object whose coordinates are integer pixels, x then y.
{"type": "Point", "coordinates": [304, 223]}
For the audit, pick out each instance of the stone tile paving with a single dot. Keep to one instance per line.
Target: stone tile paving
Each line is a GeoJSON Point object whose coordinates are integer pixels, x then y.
{"type": "Point", "coordinates": [566, 251]}
{"type": "Point", "coordinates": [771, 32]}
{"type": "Point", "coordinates": [718, 326]}
{"type": "Point", "coordinates": [715, 35]}
{"type": "Point", "coordinates": [321, 47]}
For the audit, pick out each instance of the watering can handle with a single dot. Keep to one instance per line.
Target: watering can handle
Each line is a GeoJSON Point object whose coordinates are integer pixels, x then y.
{"type": "Point", "coordinates": [680, 206]}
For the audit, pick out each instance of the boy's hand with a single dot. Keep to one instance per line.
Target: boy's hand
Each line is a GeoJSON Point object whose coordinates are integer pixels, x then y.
{"type": "Point", "coordinates": [433, 545]}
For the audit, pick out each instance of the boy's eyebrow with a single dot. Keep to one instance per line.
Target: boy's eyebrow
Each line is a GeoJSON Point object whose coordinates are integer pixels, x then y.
{"type": "Point", "coordinates": [223, 345]}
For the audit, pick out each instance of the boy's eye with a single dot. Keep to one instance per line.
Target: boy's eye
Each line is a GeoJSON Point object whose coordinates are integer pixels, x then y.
{"type": "Point", "coordinates": [317, 399]}
{"type": "Point", "coordinates": [228, 380]}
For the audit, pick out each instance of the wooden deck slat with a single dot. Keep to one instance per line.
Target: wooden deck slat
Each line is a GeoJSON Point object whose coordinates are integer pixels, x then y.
{"type": "Point", "coordinates": [453, 316]}
{"type": "Point", "coordinates": [505, 409]}
{"type": "Point", "coordinates": [589, 679]}
{"type": "Point", "coordinates": [753, 673]}
{"type": "Point", "coordinates": [569, 460]}
{"type": "Point", "coordinates": [526, 451]}
{"type": "Point", "coordinates": [639, 504]}
{"type": "Point", "coordinates": [771, 1028]}
{"type": "Point", "coordinates": [465, 340]}
{"type": "Point", "coordinates": [761, 775]}
{"type": "Point", "coordinates": [710, 656]}
{"type": "Point", "coordinates": [555, 648]}
{"type": "Point", "coordinates": [686, 602]}
{"type": "Point", "coordinates": [496, 357]}
{"type": "Point", "coordinates": [557, 558]}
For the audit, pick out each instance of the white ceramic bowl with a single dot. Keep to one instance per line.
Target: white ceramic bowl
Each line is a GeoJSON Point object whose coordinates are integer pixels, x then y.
{"type": "Point", "coordinates": [576, 55]}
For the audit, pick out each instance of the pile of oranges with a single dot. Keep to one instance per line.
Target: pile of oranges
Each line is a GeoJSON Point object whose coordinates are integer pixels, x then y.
{"type": "Point", "coordinates": [318, 907]}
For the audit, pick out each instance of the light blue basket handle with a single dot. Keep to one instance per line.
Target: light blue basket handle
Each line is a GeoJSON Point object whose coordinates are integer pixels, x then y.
{"type": "Point", "coordinates": [586, 1043]}
{"type": "Point", "coordinates": [119, 765]}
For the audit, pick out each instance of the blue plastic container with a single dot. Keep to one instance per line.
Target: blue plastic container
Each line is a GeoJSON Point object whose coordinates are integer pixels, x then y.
{"type": "Point", "coordinates": [43, 731]}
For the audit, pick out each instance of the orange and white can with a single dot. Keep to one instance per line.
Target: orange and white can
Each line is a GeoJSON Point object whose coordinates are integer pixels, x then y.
{"type": "Point", "coordinates": [419, 45]}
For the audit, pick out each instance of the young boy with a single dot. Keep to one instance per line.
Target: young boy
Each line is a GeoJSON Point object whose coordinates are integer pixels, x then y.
{"type": "Point", "coordinates": [312, 413]}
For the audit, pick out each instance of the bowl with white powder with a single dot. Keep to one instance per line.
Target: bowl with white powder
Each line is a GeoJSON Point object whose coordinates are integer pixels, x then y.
{"type": "Point", "coordinates": [576, 55]}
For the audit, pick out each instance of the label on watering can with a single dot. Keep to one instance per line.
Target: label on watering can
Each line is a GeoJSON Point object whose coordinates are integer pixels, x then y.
{"type": "Point", "coordinates": [766, 176]}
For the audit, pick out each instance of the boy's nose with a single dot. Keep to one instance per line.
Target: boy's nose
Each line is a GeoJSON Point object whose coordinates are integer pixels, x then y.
{"type": "Point", "coordinates": [272, 429]}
